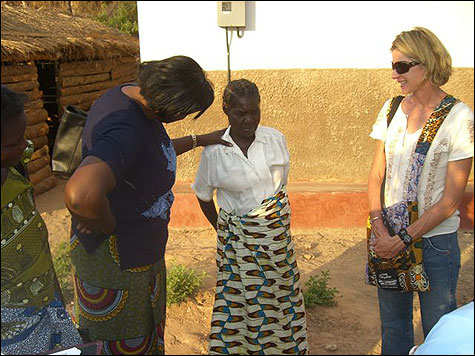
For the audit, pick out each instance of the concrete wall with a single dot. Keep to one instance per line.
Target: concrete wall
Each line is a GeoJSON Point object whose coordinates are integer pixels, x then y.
{"type": "Point", "coordinates": [325, 114]}
{"type": "Point", "coordinates": [322, 68]}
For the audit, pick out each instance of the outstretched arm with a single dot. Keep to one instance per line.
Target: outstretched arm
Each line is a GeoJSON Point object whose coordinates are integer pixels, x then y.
{"type": "Point", "coordinates": [209, 210]}
{"type": "Point", "coordinates": [184, 144]}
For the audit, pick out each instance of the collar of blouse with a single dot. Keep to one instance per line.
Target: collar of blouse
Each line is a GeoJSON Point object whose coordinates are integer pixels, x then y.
{"type": "Point", "coordinates": [235, 148]}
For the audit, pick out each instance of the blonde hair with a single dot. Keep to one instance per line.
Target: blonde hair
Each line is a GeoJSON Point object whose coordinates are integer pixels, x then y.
{"type": "Point", "coordinates": [421, 45]}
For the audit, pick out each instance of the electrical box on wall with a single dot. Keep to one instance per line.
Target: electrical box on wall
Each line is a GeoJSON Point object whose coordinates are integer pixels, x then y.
{"type": "Point", "coordinates": [231, 13]}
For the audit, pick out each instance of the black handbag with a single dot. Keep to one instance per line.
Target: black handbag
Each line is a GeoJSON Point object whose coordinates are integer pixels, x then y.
{"type": "Point", "coordinates": [67, 150]}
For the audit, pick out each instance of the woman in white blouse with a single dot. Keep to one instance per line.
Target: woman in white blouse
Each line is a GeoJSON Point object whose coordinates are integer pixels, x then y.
{"type": "Point", "coordinates": [258, 303]}
{"type": "Point", "coordinates": [425, 156]}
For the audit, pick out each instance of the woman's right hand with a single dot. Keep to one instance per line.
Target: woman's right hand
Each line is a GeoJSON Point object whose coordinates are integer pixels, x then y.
{"type": "Point", "coordinates": [107, 226]}
{"type": "Point", "coordinates": [213, 138]}
{"type": "Point", "coordinates": [385, 245]}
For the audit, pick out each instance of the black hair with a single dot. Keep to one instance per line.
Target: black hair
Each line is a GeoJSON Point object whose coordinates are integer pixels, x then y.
{"type": "Point", "coordinates": [175, 86]}
{"type": "Point", "coordinates": [238, 89]}
{"type": "Point", "coordinates": [13, 105]}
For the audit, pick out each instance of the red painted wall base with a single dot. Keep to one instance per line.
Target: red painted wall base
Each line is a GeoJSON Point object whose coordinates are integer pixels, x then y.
{"type": "Point", "coordinates": [313, 205]}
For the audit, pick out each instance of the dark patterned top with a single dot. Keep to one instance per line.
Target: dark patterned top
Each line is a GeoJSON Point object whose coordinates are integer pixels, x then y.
{"type": "Point", "coordinates": [143, 160]}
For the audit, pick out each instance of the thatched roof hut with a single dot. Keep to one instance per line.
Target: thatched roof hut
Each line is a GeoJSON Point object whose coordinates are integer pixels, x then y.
{"type": "Point", "coordinates": [59, 60]}
{"type": "Point", "coordinates": [30, 34]}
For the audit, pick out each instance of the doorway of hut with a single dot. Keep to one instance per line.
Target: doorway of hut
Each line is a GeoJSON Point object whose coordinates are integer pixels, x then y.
{"type": "Point", "coordinates": [47, 71]}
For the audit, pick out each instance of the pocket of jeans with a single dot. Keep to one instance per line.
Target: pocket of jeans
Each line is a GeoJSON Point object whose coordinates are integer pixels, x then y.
{"type": "Point", "coordinates": [439, 244]}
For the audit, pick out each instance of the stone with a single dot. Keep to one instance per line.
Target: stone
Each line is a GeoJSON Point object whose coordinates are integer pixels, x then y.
{"type": "Point", "coordinates": [331, 347]}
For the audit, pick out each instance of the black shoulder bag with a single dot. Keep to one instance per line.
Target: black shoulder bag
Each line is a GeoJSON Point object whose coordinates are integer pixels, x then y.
{"type": "Point", "coordinates": [67, 151]}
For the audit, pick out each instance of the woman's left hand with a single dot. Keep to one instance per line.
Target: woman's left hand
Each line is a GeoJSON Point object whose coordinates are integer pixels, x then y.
{"type": "Point", "coordinates": [212, 138]}
{"type": "Point", "coordinates": [387, 246]}
{"type": "Point", "coordinates": [83, 229]}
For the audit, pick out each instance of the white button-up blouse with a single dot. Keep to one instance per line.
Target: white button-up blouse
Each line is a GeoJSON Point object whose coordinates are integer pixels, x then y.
{"type": "Point", "coordinates": [242, 183]}
{"type": "Point", "coordinates": [454, 141]}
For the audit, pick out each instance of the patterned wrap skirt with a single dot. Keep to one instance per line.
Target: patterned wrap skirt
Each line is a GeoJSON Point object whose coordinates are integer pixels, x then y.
{"type": "Point", "coordinates": [34, 318]}
{"type": "Point", "coordinates": [125, 309]}
{"type": "Point", "coordinates": [258, 306]}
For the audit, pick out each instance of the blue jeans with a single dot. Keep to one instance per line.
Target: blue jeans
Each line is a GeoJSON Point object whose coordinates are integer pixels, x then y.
{"type": "Point", "coordinates": [442, 264]}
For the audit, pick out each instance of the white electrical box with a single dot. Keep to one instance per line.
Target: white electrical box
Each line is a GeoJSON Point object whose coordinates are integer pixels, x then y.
{"type": "Point", "coordinates": [231, 13]}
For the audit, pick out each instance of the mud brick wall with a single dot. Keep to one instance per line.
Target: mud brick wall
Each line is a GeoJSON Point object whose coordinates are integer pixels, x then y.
{"type": "Point", "coordinates": [82, 82]}
{"type": "Point", "coordinates": [23, 77]}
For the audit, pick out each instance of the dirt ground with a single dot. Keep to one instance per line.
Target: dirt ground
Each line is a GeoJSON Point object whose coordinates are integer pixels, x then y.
{"type": "Point", "coordinates": [350, 328]}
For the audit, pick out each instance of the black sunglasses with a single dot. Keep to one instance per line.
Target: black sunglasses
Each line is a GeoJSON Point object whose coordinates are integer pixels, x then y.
{"type": "Point", "coordinates": [403, 67]}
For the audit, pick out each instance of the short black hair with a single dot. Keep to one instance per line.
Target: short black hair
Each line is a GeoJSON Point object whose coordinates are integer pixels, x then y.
{"type": "Point", "coordinates": [237, 89]}
{"type": "Point", "coordinates": [175, 86]}
{"type": "Point", "coordinates": [13, 105]}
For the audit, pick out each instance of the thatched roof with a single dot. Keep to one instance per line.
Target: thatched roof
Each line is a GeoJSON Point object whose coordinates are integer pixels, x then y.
{"type": "Point", "coordinates": [30, 34]}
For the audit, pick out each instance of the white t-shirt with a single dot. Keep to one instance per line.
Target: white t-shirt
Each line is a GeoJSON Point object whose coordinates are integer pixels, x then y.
{"type": "Point", "coordinates": [242, 183]}
{"type": "Point", "coordinates": [454, 141]}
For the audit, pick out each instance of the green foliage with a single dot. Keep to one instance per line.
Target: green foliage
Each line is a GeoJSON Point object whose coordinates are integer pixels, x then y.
{"type": "Point", "coordinates": [317, 291]}
{"type": "Point", "coordinates": [182, 282]}
{"type": "Point", "coordinates": [122, 16]}
{"type": "Point", "coordinates": [62, 265]}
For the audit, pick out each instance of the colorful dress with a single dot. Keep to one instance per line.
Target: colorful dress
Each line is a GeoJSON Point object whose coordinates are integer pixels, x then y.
{"type": "Point", "coordinates": [34, 318]}
{"type": "Point", "coordinates": [125, 309]}
{"type": "Point", "coordinates": [258, 307]}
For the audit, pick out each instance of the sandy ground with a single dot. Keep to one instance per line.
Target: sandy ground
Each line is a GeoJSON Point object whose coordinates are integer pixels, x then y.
{"type": "Point", "coordinates": [350, 328]}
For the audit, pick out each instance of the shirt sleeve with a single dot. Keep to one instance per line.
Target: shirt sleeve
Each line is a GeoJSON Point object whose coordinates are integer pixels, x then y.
{"type": "Point", "coordinates": [462, 143]}
{"type": "Point", "coordinates": [286, 160]}
{"type": "Point", "coordinates": [120, 145]}
{"type": "Point", "coordinates": [202, 185]}
{"type": "Point", "coordinates": [380, 127]}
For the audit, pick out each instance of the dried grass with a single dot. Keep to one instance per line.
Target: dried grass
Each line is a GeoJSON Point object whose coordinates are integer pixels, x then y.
{"type": "Point", "coordinates": [31, 34]}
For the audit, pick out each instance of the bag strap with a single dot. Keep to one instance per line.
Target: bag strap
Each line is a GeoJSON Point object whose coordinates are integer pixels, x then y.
{"type": "Point", "coordinates": [394, 106]}
{"type": "Point", "coordinates": [20, 167]}
{"type": "Point", "coordinates": [429, 131]}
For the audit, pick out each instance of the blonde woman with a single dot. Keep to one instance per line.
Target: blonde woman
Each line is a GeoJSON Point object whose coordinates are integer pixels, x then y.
{"type": "Point", "coordinates": [425, 156]}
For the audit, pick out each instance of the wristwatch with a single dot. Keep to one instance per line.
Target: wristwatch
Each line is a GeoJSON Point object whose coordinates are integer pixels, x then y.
{"type": "Point", "coordinates": [405, 237]}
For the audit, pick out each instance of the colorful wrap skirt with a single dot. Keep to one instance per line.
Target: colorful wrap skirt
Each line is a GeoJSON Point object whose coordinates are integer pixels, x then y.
{"type": "Point", "coordinates": [125, 309]}
{"type": "Point", "coordinates": [34, 318]}
{"type": "Point", "coordinates": [258, 306]}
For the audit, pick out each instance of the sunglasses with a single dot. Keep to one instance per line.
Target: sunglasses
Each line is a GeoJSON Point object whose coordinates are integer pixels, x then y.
{"type": "Point", "coordinates": [403, 67]}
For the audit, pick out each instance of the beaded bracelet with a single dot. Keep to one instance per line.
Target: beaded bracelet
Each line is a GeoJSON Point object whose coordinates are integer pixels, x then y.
{"type": "Point", "coordinates": [195, 141]}
{"type": "Point", "coordinates": [376, 218]}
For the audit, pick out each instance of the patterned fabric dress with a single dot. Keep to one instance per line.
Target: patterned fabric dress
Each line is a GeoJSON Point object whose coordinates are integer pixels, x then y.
{"type": "Point", "coordinates": [34, 319]}
{"type": "Point", "coordinates": [125, 309]}
{"type": "Point", "coordinates": [258, 305]}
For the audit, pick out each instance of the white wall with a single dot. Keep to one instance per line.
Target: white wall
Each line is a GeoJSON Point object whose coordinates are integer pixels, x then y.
{"type": "Point", "coordinates": [302, 34]}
